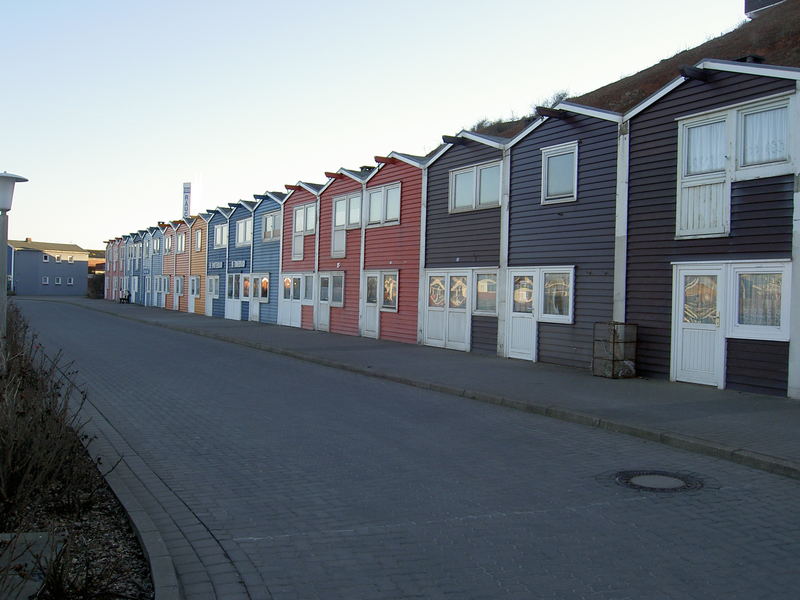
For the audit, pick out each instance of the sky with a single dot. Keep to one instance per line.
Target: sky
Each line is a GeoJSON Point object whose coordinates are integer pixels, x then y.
{"type": "Point", "coordinates": [108, 107]}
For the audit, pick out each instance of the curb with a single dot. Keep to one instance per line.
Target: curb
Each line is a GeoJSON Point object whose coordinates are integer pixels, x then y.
{"type": "Point", "coordinates": [162, 569]}
{"type": "Point", "coordinates": [742, 456]}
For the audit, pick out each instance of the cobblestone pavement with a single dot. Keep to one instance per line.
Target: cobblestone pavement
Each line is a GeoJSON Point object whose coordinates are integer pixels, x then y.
{"type": "Point", "coordinates": [269, 477]}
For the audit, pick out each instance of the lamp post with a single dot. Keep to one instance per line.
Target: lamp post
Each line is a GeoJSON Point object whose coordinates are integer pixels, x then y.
{"type": "Point", "coordinates": [7, 181]}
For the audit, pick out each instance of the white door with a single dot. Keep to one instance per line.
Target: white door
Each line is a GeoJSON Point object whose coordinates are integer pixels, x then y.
{"type": "Point", "coordinates": [212, 289]}
{"type": "Point", "coordinates": [290, 310]}
{"type": "Point", "coordinates": [233, 302]}
{"type": "Point", "coordinates": [521, 333]}
{"type": "Point", "coordinates": [697, 343]}
{"type": "Point", "coordinates": [192, 292]}
{"type": "Point", "coordinates": [447, 318]}
{"type": "Point", "coordinates": [323, 303]}
{"type": "Point", "coordinates": [370, 310]}
{"type": "Point", "coordinates": [175, 296]}
{"type": "Point", "coordinates": [255, 305]}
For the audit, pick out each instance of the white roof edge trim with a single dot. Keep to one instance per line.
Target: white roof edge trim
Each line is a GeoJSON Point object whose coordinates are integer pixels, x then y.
{"type": "Point", "coordinates": [419, 164]}
{"type": "Point", "coordinates": [374, 172]}
{"type": "Point", "coordinates": [310, 190]}
{"type": "Point", "coordinates": [275, 198]}
{"type": "Point", "coordinates": [477, 137]}
{"type": "Point", "coordinates": [438, 155]}
{"type": "Point", "coordinates": [598, 113]}
{"type": "Point", "coordinates": [750, 68]}
{"type": "Point", "coordinates": [524, 133]}
{"type": "Point", "coordinates": [654, 97]}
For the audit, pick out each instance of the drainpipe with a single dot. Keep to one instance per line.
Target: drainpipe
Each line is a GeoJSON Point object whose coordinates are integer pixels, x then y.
{"type": "Point", "coordinates": [361, 261]}
{"type": "Point", "coordinates": [423, 283]}
{"type": "Point", "coordinates": [505, 209]}
{"type": "Point", "coordinates": [793, 390]}
{"type": "Point", "coordinates": [621, 223]}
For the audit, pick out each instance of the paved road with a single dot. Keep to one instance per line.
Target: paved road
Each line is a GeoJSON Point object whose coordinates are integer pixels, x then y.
{"type": "Point", "coordinates": [275, 478]}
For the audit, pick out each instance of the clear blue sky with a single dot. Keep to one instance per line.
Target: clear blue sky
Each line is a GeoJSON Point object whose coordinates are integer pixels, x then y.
{"type": "Point", "coordinates": [108, 107]}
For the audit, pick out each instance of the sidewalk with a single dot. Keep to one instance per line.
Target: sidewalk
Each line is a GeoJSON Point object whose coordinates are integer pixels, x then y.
{"type": "Point", "coordinates": [749, 429]}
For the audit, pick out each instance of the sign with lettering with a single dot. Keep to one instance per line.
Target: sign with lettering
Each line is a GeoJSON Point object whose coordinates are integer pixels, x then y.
{"type": "Point", "coordinates": [187, 200]}
{"type": "Point", "coordinates": [215, 264]}
{"type": "Point", "coordinates": [237, 264]}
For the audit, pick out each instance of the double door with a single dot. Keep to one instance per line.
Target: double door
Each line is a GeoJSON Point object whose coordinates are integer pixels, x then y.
{"type": "Point", "coordinates": [447, 311]}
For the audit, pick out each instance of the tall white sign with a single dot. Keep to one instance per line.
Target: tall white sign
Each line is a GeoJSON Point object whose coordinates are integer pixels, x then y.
{"type": "Point", "coordinates": [187, 200]}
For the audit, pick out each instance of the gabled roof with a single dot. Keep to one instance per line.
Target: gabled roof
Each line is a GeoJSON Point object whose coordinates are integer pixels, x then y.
{"type": "Point", "coordinates": [774, 36]}
{"type": "Point", "coordinates": [311, 188]}
{"type": "Point", "coordinates": [410, 159]}
{"type": "Point", "coordinates": [44, 246]}
{"type": "Point", "coordinates": [567, 107]}
{"type": "Point", "coordinates": [489, 140]}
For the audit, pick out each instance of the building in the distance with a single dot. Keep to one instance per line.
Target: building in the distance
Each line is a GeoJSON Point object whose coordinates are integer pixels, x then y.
{"type": "Point", "coordinates": [47, 268]}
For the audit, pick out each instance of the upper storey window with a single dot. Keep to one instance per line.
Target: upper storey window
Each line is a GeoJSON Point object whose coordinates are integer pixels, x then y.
{"type": "Point", "coordinates": [715, 149]}
{"type": "Point", "coordinates": [475, 187]}
{"type": "Point", "coordinates": [560, 173]}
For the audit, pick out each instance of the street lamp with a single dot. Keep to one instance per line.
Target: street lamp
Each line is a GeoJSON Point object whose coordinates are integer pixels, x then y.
{"type": "Point", "coordinates": [7, 181]}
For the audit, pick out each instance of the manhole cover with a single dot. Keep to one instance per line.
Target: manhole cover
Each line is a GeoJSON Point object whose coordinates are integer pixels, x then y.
{"type": "Point", "coordinates": [658, 481]}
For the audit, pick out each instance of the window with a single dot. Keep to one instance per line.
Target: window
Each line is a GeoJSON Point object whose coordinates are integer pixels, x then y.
{"type": "Point", "coordinates": [390, 289]}
{"type": "Point", "coordinates": [244, 232]}
{"type": "Point", "coordinates": [287, 288]}
{"type": "Point", "coordinates": [271, 225]}
{"type": "Point", "coordinates": [245, 286]}
{"type": "Point", "coordinates": [715, 149]}
{"type": "Point", "coordinates": [372, 289]}
{"type": "Point", "coordinates": [198, 240]}
{"type": "Point", "coordinates": [167, 244]}
{"type": "Point", "coordinates": [212, 286]}
{"type": "Point", "coordinates": [234, 281]}
{"type": "Point", "coordinates": [180, 243]}
{"type": "Point", "coordinates": [57, 280]}
{"type": "Point", "coordinates": [262, 288]}
{"type": "Point", "coordinates": [45, 258]}
{"type": "Point", "coordinates": [346, 214]}
{"type": "Point", "coordinates": [759, 300]}
{"type": "Point", "coordinates": [337, 290]}
{"type": "Point", "coordinates": [295, 288]}
{"type": "Point", "coordinates": [70, 281]}
{"type": "Point", "coordinates": [384, 205]}
{"type": "Point", "coordinates": [560, 173]}
{"type": "Point", "coordinates": [308, 287]}
{"type": "Point", "coordinates": [305, 219]}
{"type": "Point", "coordinates": [156, 245]}
{"type": "Point", "coordinates": [556, 286]}
{"type": "Point", "coordinates": [523, 294]}
{"type": "Point", "coordinates": [486, 293]}
{"type": "Point", "coordinates": [324, 288]}
{"type": "Point", "coordinates": [70, 259]}
{"type": "Point", "coordinates": [194, 286]}
{"type": "Point", "coordinates": [45, 280]}
{"type": "Point", "coordinates": [179, 285]}
{"type": "Point", "coordinates": [220, 235]}
{"type": "Point", "coordinates": [58, 258]}
{"type": "Point", "coordinates": [436, 291]}
{"type": "Point", "coordinates": [475, 187]}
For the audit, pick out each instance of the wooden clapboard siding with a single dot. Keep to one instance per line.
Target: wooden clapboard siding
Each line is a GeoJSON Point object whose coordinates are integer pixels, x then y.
{"type": "Point", "coordinates": [169, 268]}
{"type": "Point", "coordinates": [484, 334]}
{"type": "Point", "coordinates": [464, 239]}
{"type": "Point", "coordinates": [266, 259]}
{"type": "Point", "coordinates": [197, 262]}
{"type": "Point", "coordinates": [343, 319]}
{"type": "Point", "coordinates": [579, 233]}
{"type": "Point", "coordinates": [182, 265]}
{"type": "Point", "coordinates": [217, 256]}
{"type": "Point", "coordinates": [396, 247]}
{"type": "Point", "coordinates": [760, 209]}
{"type": "Point", "coordinates": [758, 366]}
{"type": "Point", "coordinates": [307, 316]}
{"type": "Point", "coordinates": [295, 199]}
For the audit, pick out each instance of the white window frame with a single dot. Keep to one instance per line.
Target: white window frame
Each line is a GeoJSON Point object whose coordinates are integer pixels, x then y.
{"type": "Point", "coordinates": [332, 302]}
{"type": "Point", "coordinates": [476, 192]}
{"type": "Point", "coordinates": [275, 231]}
{"type": "Point", "coordinates": [297, 246]}
{"type": "Point", "coordinates": [474, 283]}
{"type": "Point", "coordinates": [156, 245]}
{"type": "Point", "coordinates": [45, 280]}
{"type": "Point", "coordinates": [70, 281]}
{"type": "Point", "coordinates": [384, 190]}
{"type": "Point", "coordinates": [221, 235]}
{"type": "Point", "coordinates": [381, 288]}
{"type": "Point", "coordinates": [212, 286]}
{"type": "Point", "coordinates": [194, 286]}
{"type": "Point", "coordinates": [45, 257]}
{"type": "Point", "coordinates": [70, 259]}
{"type": "Point", "coordinates": [549, 318]}
{"type": "Point", "coordinates": [58, 258]}
{"type": "Point", "coordinates": [179, 285]}
{"type": "Point", "coordinates": [198, 240]}
{"type": "Point", "coordinates": [180, 243]}
{"type": "Point", "coordinates": [560, 150]}
{"type": "Point", "coordinates": [255, 286]}
{"type": "Point", "coordinates": [167, 244]}
{"type": "Point", "coordinates": [244, 232]}
{"type": "Point", "coordinates": [758, 332]}
{"type": "Point", "coordinates": [339, 232]}
{"type": "Point", "coordinates": [734, 170]}
{"type": "Point", "coordinates": [307, 291]}
{"type": "Point", "coordinates": [57, 280]}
